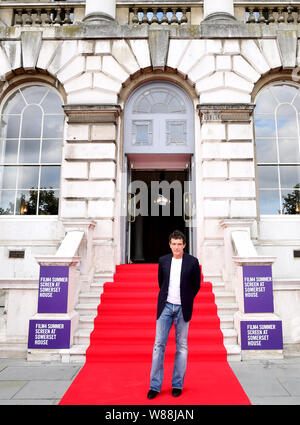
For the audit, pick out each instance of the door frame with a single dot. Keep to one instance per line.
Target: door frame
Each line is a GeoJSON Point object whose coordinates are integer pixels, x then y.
{"type": "Point", "coordinates": [126, 223]}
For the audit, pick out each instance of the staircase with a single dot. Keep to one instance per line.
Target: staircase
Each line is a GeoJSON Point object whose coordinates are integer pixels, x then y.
{"type": "Point", "coordinates": [89, 300]}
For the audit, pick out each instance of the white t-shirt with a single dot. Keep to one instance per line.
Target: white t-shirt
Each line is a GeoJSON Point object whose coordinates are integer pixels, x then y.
{"type": "Point", "coordinates": [174, 284]}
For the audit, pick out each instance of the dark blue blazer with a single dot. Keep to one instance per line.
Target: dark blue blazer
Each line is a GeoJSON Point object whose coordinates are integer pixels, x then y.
{"type": "Point", "coordinates": [190, 281]}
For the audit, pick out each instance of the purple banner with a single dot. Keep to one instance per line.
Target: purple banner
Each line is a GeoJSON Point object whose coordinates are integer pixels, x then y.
{"type": "Point", "coordinates": [266, 335]}
{"type": "Point", "coordinates": [49, 334]}
{"type": "Point", "coordinates": [258, 289]}
{"type": "Point", "coordinates": [53, 289]}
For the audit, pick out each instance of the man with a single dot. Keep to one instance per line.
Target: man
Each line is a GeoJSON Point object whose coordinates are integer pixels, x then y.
{"type": "Point", "coordinates": [179, 282]}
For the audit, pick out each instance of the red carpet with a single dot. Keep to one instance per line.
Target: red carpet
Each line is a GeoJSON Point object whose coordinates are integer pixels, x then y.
{"type": "Point", "coordinates": [118, 360]}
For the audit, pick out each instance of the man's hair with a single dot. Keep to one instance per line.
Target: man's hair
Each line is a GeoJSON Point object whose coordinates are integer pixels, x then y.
{"type": "Point", "coordinates": [177, 235]}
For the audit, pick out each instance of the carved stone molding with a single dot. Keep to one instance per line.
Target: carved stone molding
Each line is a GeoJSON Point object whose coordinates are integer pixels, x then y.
{"type": "Point", "coordinates": [90, 114]}
{"type": "Point", "coordinates": [240, 112]}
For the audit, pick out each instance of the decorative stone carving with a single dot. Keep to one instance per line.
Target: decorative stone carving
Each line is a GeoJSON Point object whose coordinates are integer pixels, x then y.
{"type": "Point", "coordinates": [228, 113]}
{"type": "Point", "coordinates": [92, 113]}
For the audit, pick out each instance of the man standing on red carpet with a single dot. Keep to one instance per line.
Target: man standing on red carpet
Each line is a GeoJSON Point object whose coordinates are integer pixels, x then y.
{"type": "Point", "coordinates": [179, 278]}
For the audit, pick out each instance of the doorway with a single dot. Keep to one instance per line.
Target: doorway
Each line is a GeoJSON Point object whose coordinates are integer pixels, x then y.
{"type": "Point", "coordinates": [159, 202]}
{"type": "Point", "coordinates": [159, 175]}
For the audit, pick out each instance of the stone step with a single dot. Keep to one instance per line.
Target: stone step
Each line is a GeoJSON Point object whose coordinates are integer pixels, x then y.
{"type": "Point", "coordinates": [224, 297]}
{"type": "Point", "coordinates": [218, 287]}
{"type": "Point", "coordinates": [226, 321]}
{"type": "Point", "coordinates": [76, 354]}
{"type": "Point", "coordinates": [87, 308]}
{"type": "Point", "coordinates": [86, 321]}
{"type": "Point", "coordinates": [233, 352]}
{"type": "Point", "coordinates": [89, 297]}
{"type": "Point", "coordinates": [227, 308]}
{"type": "Point", "coordinates": [96, 287]}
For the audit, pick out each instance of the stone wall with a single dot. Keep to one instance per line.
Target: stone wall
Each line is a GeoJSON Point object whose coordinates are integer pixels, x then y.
{"type": "Point", "coordinates": [95, 66]}
{"type": "Point", "coordinates": [92, 70]}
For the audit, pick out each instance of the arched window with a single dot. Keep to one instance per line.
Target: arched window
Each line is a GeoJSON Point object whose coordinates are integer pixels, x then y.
{"type": "Point", "coordinates": [31, 134]}
{"type": "Point", "coordinates": [277, 131]}
{"type": "Point", "coordinates": [159, 118]}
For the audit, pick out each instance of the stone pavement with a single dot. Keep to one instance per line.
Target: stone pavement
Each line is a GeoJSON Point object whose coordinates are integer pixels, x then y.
{"type": "Point", "coordinates": [266, 382]}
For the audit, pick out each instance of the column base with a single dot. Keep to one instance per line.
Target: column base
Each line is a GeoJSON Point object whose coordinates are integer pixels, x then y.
{"type": "Point", "coordinates": [219, 16]}
{"type": "Point", "coordinates": [98, 18]}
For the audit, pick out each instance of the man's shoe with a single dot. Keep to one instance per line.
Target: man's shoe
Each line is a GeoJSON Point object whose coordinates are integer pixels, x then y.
{"type": "Point", "coordinates": [151, 394]}
{"type": "Point", "coordinates": [176, 392]}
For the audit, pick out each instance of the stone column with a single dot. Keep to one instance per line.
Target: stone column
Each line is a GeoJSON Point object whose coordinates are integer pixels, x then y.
{"type": "Point", "coordinates": [218, 9]}
{"type": "Point", "coordinates": [100, 10]}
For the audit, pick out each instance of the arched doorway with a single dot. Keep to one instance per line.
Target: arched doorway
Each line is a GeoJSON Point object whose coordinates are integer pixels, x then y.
{"type": "Point", "coordinates": [158, 164]}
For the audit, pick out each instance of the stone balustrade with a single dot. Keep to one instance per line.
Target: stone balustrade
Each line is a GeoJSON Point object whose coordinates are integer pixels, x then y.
{"type": "Point", "coordinates": [160, 15]}
{"type": "Point", "coordinates": [65, 13]}
{"type": "Point", "coordinates": [40, 13]}
{"type": "Point", "coordinates": [48, 16]}
{"type": "Point", "coordinates": [272, 14]}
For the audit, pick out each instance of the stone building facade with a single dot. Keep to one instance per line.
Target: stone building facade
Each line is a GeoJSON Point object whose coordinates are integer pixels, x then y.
{"type": "Point", "coordinates": [95, 96]}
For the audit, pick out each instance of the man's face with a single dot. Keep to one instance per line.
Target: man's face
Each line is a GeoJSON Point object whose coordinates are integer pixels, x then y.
{"type": "Point", "coordinates": [177, 246]}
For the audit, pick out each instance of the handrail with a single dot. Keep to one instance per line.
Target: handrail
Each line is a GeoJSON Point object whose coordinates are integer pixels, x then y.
{"type": "Point", "coordinates": [70, 244]}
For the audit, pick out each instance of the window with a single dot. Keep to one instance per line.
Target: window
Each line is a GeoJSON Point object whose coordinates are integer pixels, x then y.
{"type": "Point", "coordinates": [277, 116]}
{"type": "Point", "coordinates": [30, 152]}
{"type": "Point", "coordinates": [159, 116]}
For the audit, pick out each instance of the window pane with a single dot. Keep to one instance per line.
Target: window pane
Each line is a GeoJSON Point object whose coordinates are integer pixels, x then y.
{"type": "Point", "coordinates": [296, 103]}
{"type": "Point", "coordinates": [53, 126]}
{"type": "Point", "coordinates": [266, 103]}
{"type": "Point", "coordinates": [291, 202]}
{"type": "Point", "coordinates": [7, 202]}
{"type": "Point", "coordinates": [159, 101]}
{"type": "Point", "coordinates": [29, 151]}
{"type": "Point", "coordinates": [15, 104]}
{"type": "Point", "coordinates": [176, 132]}
{"type": "Point", "coordinates": [48, 202]}
{"type": "Point", "coordinates": [142, 106]}
{"type": "Point", "coordinates": [11, 151]}
{"type": "Point", "coordinates": [176, 105]}
{"type": "Point", "coordinates": [50, 177]}
{"type": "Point", "coordinates": [289, 176]}
{"type": "Point", "coordinates": [284, 92]}
{"type": "Point", "coordinates": [269, 201]}
{"type": "Point", "coordinates": [34, 94]}
{"type": "Point", "coordinates": [12, 127]}
{"type": "Point", "coordinates": [289, 150]}
{"type": "Point", "coordinates": [266, 150]}
{"type": "Point", "coordinates": [287, 121]}
{"type": "Point", "coordinates": [51, 151]}
{"type": "Point", "coordinates": [52, 104]}
{"type": "Point", "coordinates": [268, 177]}
{"type": "Point", "coordinates": [159, 96]}
{"type": "Point", "coordinates": [159, 108]}
{"type": "Point", "coordinates": [9, 177]}
{"type": "Point", "coordinates": [265, 125]}
{"type": "Point", "coordinates": [141, 132]}
{"type": "Point", "coordinates": [28, 177]}
{"type": "Point", "coordinates": [32, 122]}
{"type": "Point", "coordinates": [26, 202]}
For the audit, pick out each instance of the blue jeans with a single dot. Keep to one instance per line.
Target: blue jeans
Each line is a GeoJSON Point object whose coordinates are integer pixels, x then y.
{"type": "Point", "coordinates": [171, 313]}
